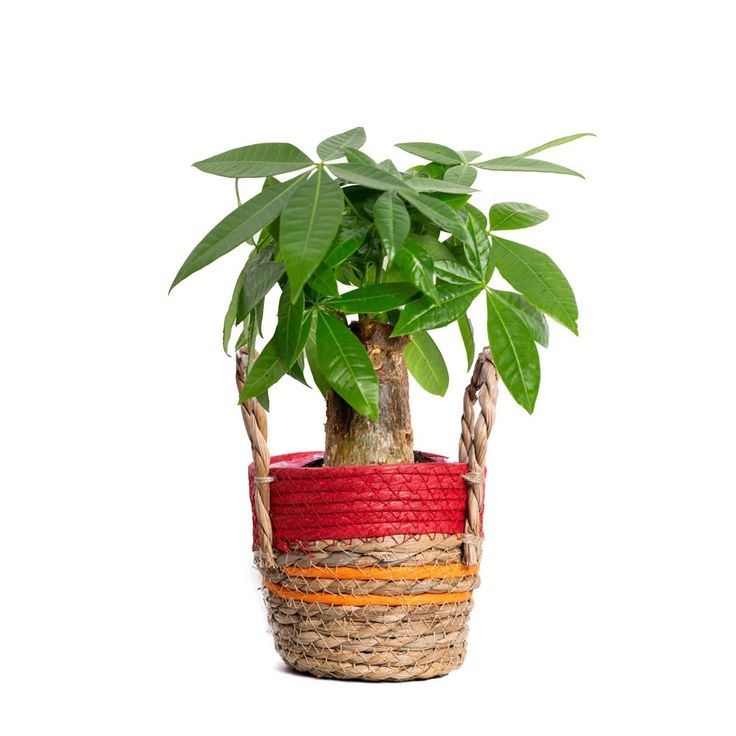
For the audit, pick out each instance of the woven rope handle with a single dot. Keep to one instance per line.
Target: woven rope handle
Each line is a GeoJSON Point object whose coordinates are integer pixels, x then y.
{"type": "Point", "coordinates": [256, 425]}
{"type": "Point", "coordinates": [474, 433]}
{"type": "Point", "coordinates": [482, 388]}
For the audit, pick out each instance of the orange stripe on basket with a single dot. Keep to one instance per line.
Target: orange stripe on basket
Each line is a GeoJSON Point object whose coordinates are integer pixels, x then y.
{"type": "Point", "coordinates": [418, 572]}
{"type": "Point", "coordinates": [367, 600]}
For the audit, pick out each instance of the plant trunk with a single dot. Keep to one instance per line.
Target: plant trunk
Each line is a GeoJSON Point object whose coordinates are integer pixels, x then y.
{"type": "Point", "coordinates": [351, 438]}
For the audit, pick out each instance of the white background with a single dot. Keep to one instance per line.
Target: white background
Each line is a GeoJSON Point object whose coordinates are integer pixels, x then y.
{"type": "Point", "coordinates": [129, 604]}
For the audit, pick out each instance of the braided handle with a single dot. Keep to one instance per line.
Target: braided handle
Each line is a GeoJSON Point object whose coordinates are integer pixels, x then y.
{"type": "Point", "coordinates": [256, 425]}
{"type": "Point", "coordinates": [483, 388]}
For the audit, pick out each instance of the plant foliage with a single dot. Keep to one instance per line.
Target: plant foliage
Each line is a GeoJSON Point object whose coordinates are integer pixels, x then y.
{"type": "Point", "coordinates": [349, 236]}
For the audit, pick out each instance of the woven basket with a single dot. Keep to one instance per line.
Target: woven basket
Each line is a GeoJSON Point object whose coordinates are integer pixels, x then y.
{"type": "Point", "coordinates": [369, 571]}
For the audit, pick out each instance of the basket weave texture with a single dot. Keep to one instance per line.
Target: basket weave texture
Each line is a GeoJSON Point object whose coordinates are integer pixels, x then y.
{"type": "Point", "coordinates": [369, 571]}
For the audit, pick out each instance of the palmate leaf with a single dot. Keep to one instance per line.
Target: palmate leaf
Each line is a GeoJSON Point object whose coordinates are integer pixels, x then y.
{"type": "Point", "coordinates": [426, 364]}
{"type": "Point", "coordinates": [309, 224]}
{"type": "Point", "coordinates": [520, 163]}
{"type": "Point", "coordinates": [261, 159]}
{"type": "Point", "coordinates": [538, 278]}
{"type": "Point", "coordinates": [417, 267]}
{"type": "Point", "coordinates": [392, 223]}
{"type": "Point", "coordinates": [554, 143]}
{"type": "Point", "coordinates": [432, 152]}
{"type": "Point", "coordinates": [268, 368]}
{"type": "Point", "coordinates": [335, 145]}
{"type": "Point", "coordinates": [346, 366]}
{"type": "Point", "coordinates": [515, 216]}
{"type": "Point", "coordinates": [533, 318]}
{"type": "Point", "coordinates": [374, 298]}
{"type": "Point", "coordinates": [514, 351]}
{"type": "Point", "coordinates": [425, 314]}
{"type": "Point", "coordinates": [239, 225]}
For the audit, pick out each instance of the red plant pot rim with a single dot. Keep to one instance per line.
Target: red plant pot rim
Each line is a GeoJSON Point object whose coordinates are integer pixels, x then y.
{"type": "Point", "coordinates": [360, 502]}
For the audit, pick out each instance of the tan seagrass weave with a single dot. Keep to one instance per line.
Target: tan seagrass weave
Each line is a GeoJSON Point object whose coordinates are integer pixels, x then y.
{"type": "Point", "coordinates": [381, 607]}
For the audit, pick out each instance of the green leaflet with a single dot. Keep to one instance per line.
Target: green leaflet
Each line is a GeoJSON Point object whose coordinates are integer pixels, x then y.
{"type": "Point", "coordinates": [392, 223]}
{"type": "Point", "coordinates": [466, 332]}
{"type": "Point", "coordinates": [368, 175]}
{"type": "Point", "coordinates": [373, 299]}
{"type": "Point", "coordinates": [555, 142]}
{"type": "Point", "coordinates": [261, 159]}
{"type": "Point", "coordinates": [425, 362]}
{"type": "Point", "coordinates": [519, 163]}
{"type": "Point", "coordinates": [432, 152]}
{"type": "Point", "coordinates": [417, 267]}
{"type": "Point", "coordinates": [349, 238]}
{"type": "Point", "coordinates": [323, 281]}
{"type": "Point", "coordinates": [427, 184]}
{"type": "Point", "coordinates": [334, 146]}
{"type": "Point", "coordinates": [309, 224]}
{"type": "Point", "coordinates": [514, 352]}
{"type": "Point", "coordinates": [438, 212]}
{"type": "Point", "coordinates": [238, 226]}
{"type": "Point", "coordinates": [456, 273]}
{"type": "Point", "coordinates": [312, 358]}
{"type": "Point", "coordinates": [292, 327]}
{"type": "Point", "coordinates": [231, 316]}
{"type": "Point", "coordinates": [533, 318]}
{"type": "Point", "coordinates": [346, 366]}
{"type": "Point", "coordinates": [425, 314]}
{"type": "Point", "coordinates": [265, 371]}
{"type": "Point", "coordinates": [477, 247]}
{"type": "Point", "coordinates": [354, 156]}
{"type": "Point", "coordinates": [462, 174]}
{"type": "Point", "coordinates": [515, 215]}
{"type": "Point", "coordinates": [538, 278]}
{"type": "Point", "coordinates": [261, 274]}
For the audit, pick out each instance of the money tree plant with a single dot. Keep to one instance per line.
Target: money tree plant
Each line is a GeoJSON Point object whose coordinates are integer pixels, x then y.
{"type": "Point", "coordinates": [368, 259]}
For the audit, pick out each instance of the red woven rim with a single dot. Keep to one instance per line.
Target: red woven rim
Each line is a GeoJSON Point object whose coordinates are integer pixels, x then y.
{"type": "Point", "coordinates": [309, 504]}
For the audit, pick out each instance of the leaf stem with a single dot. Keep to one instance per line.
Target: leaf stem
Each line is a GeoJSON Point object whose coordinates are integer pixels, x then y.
{"type": "Point", "coordinates": [237, 191]}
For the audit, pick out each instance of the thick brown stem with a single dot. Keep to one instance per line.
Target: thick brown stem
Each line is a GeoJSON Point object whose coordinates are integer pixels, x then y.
{"type": "Point", "coordinates": [352, 439]}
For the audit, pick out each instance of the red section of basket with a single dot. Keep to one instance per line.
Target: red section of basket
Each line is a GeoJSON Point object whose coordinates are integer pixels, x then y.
{"type": "Point", "coordinates": [308, 504]}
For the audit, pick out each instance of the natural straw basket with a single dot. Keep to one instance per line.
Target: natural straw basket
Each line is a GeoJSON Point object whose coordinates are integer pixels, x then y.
{"type": "Point", "coordinates": [369, 571]}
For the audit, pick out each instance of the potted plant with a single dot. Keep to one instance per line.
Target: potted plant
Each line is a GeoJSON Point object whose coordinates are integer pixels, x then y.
{"type": "Point", "coordinates": [370, 550]}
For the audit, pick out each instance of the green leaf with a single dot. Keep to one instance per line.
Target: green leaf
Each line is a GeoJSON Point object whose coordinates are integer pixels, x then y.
{"type": "Point", "coordinates": [463, 174]}
{"type": "Point", "coordinates": [309, 224]}
{"type": "Point", "coordinates": [231, 316]}
{"type": "Point", "coordinates": [261, 275]}
{"type": "Point", "coordinates": [368, 175]}
{"type": "Point", "coordinates": [346, 365]}
{"type": "Point", "coordinates": [432, 152]}
{"type": "Point", "coordinates": [519, 163]}
{"type": "Point", "coordinates": [533, 318]}
{"type": "Point", "coordinates": [435, 250]}
{"type": "Point", "coordinates": [392, 223]}
{"type": "Point", "coordinates": [292, 328]}
{"type": "Point", "coordinates": [466, 332]}
{"type": "Point", "coordinates": [262, 159]}
{"type": "Point", "coordinates": [390, 166]}
{"type": "Point", "coordinates": [335, 145]}
{"type": "Point", "coordinates": [456, 273]}
{"type": "Point", "coordinates": [538, 278]}
{"type": "Point", "coordinates": [555, 142]}
{"type": "Point", "coordinates": [427, 184]}
{"type": "Point", "coordinates": [424, 314]}
{"type": "Point", "coordinates": [373, 299]}
{"type": "Point", "coordinates": [297, 370]}
{"type": "Point", "coordinates": [469, 156]}
{"type": "Point", "coordinates": [425, 362]}
{"type": "Point", "coordinates": [349, 238]}
{"type": "Point", "coordinates": [417, 266]}
{"type": "Point", "coordinates": [514, 351]}
{"type": "Point", "coordinates": [266, 370]}
{"type": "Point", "coordinates": [312, 358]}
{"type": "Point", "coordinates": [238, 226]}
{"type": "Point", "coordinates": [323, 281]}
{"type": "Point", "coordinates": [515, 215]}
{"type": "Point", "coordinates": [354, 156]}
{"type": "Point", "coordinates": [477, 248]}
{"type": "Point", "coordinates": [438, 212]}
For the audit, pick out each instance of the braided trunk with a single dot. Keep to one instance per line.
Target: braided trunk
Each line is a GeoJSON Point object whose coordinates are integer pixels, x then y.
{"type": "Point", "coordinates": [351, 438]}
